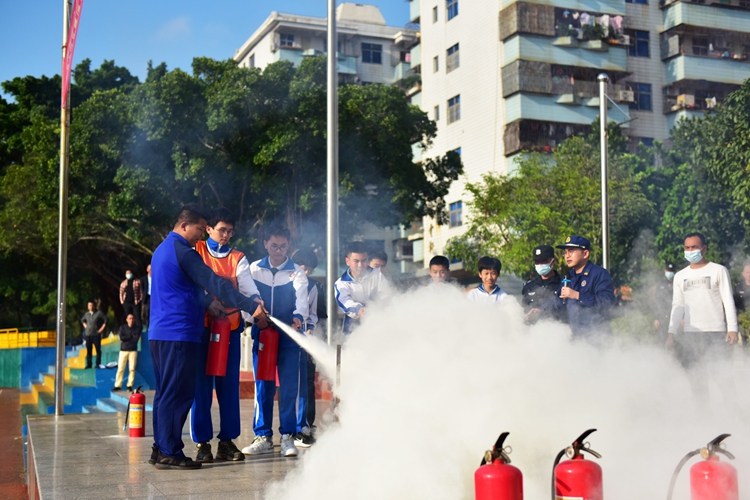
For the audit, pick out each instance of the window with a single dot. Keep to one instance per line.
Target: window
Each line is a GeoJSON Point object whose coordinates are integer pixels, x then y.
{"type": "Point", "coordinates": [372, 53]}
{"type": "Point", "coordinates": [454, 109]}
{"type": "Point", "coordinates": [435, 64]}
{"type": "Point", "coordinates": [644, 2]}
{"type": "Point", "coordinates": [642, 93]}
{"type": "Point", "coordinates": [437, 113]}
{"type": "Point", "coordinates": [286, 40]}
{"type": "Point", "coordinates": [434, 14]}
{"type": "Point", "coordinates": [451, 61]}
{"type": "Point", "coordinates": [451, 7]}
{"type": "Point", "coordinates": [646, 141]}
{"type": "Point", "coordinates": [455, 211]}
{"type": "Point", "coordinates": [251, 63]}
{"type": "Point", "coordinates": [700, 46]}
{"type": "Point", "coordinates": [639, 40]}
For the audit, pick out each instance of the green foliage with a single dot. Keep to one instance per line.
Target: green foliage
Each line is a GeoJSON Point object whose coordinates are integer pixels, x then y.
{"type": "Point", "coordinates": [222, 135]}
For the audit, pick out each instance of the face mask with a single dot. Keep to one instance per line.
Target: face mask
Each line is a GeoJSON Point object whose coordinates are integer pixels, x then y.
{"type": "Point", "coordinates": [543, 269]}
{"type": "Point", "coordinates": [669, 275]}
{"type": "Point", "coordinates": [694, 256]}
{"type": "Point", "coordinates": [129, 276]}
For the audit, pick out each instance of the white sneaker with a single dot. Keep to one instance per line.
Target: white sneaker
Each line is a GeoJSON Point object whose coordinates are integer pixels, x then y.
{"type": "Point", "coordinates": [287, 446]}
{"type": "Point", "coordinates": [261, 445]}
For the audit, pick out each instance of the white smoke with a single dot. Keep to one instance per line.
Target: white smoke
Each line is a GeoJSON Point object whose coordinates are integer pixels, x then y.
{"type": "Point", "coordinates": [430, 381]}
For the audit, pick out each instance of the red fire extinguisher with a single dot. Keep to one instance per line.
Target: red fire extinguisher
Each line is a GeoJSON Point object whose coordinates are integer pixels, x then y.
{"type": "Point", "coordinates": [268, 351]}
{"type": "Point", "coordinates": [577, 477]}
{"type": "Point", "coordinates": [218, 347]}
{"type": "Point", "coordinates": [136, 412]}
{"type": "Point", "coordinates": [709, 479]}
{"type": "Point", "coordinates": [496, 479]}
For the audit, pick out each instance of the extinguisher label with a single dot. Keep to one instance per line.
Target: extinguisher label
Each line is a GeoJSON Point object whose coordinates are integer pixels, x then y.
{"type": "Point", "coordinates": [215, 337]}
{"type": "Point", "coordinates": [260, 346]}
{"type": "Point", "coordinates": [136, 416]}
{"type": "Point", "coordinates": [557, 497]}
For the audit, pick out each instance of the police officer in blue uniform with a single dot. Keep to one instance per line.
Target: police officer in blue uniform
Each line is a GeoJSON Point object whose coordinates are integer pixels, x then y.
{"type": "Point", "coordinates": [590, 294]}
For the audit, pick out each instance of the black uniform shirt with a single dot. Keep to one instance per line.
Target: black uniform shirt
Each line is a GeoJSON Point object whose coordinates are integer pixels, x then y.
{"type": "Point", "coordinates": [538, 291]}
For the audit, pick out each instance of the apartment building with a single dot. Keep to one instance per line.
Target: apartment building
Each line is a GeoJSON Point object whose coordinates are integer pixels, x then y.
{"type": "Point", "coordinates": [505, 76]}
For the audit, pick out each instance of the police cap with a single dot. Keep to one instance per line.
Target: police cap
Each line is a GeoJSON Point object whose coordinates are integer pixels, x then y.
{"type": "Point", "coordinates": [543, 253]}
{"type": "Point", "coordinates": [576, 242]}
{"type": "Point", "coordinates": [670, 267]}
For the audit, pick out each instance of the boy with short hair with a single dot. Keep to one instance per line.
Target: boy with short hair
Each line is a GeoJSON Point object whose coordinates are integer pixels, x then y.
{"type": "Point", "coordinates": [232, 265]}
{"type": "Point", "coordinates": [308, 261]}
{"type": "Point", "coordinates": [283, 287]}
{"type": "Point", "coordinates": [358, 286]}
{"type": "Point", "coordinates": [440, 270]}
{"type": "Point", "coordinates": [488, 292]}
{"type": "Point", "coordinates": [379, 260]}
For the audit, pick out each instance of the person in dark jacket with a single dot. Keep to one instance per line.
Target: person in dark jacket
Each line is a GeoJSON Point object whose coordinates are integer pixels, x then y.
{"type": "Point", "coordinates": [544, 287]}
{"type": "Point", "coordinates": [180, 280]}
{"type": "Point", "coordinates": [129, 334]}
{"type": "Point", "coordinates": [94, 323]}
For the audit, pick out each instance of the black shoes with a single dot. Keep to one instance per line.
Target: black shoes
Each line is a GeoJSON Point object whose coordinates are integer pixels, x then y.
{"type": "Point", "coordinates": [154, 455]}
{"type": "Point", "coordinates": [229, 451]}
{"type": "Point", "coordinates": [302, 440]}
{"type": "Point", "coordinates": [115, 389]}
{"type": "Point", "coordinates": [130, 388]}
{"type": "Point", "coordinates": [163, 462]}
{"type": "Point", "coordinates": [204, 453]}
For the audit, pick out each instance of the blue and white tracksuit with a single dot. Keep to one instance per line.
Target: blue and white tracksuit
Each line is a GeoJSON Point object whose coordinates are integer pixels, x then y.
{"type": "Point", "coordinates": [480, 295]}
{"type": "Point", "coordinates": [284, 292]}
{"type": "Point", "coordinates": [178, 300]}
{"type": "Point", "coordinates": [354, 294]}
{"type": "Point", "coordinates": [228, 386]}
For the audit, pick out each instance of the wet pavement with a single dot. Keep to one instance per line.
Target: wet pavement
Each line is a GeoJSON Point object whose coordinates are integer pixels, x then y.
{"type": "Point", "coordinates": [89, 456]}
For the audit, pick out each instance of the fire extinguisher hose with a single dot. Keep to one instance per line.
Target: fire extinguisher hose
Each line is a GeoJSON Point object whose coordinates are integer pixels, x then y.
{"type": "Point", "coordinates": [574, 450]}
{"type": "Point", "coordinates": [711, 449]}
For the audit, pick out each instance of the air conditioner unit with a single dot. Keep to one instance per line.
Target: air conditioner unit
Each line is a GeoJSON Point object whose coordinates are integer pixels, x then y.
{"type": "Point", "coordinates": [625, 96]}
{"type": "Point", "coordinates": [625, 40]}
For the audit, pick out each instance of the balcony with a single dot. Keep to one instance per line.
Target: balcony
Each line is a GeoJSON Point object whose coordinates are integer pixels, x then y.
{"type": "Point", "coordinates": [699, 96]}
{"type": "Point", "coordinates": [401, 70]}
{"type": "Point", "coordinates": [416, 55]}
{"type": "Point", "coordinates": [684, 13]}
{"type": "Point", "coordinates": [543, 107]}
{"type": "Point", "coordinates": [706, 68]}
{"type": "Point", "coordinates": [576, 84]}
{"type": "Point", "coordinates": [347, 65]}
{"type": "Point", "coordinates": [686, 114]}
{"type": "Point", "coordinates": [550, 21]}
{"type": "Point", "coordinates": [538, 49]}
{"type": "Point", "coordinates": [726, 4]}
{"type": "Point", "coordinates": [538, 135]}
{"type": "Point", "coordinates": [613, 7]}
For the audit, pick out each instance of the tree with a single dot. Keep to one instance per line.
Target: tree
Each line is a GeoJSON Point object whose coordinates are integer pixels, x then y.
{"type": "Point", "coordinates": [552, 197]}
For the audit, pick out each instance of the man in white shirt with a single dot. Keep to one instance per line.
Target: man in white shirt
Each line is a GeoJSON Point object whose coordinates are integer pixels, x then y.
{"type": "Point", "coordinates": [703, 305]}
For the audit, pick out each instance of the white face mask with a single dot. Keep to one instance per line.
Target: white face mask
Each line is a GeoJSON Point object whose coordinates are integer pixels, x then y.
{"type": "Point", "coordinates": [693, 256]}
{"type": "Point", "coordinates": [543, 269]}
{"type": "Point", "coordinates": [669, 275]}
{"type": "Point", "coordinates": [129, 276]}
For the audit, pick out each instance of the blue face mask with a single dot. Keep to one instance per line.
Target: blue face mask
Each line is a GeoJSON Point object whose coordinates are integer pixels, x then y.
{"type": "Point", "coordinates": [669, 275]}
{"type": "Point", "coordinates": [693, 256]}
{"type": "Point", "coordinates": [543, 269]}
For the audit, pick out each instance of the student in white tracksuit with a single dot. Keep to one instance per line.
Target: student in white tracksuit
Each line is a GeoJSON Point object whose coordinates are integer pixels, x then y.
{"type": "Point", "coordinates": [359, 286]}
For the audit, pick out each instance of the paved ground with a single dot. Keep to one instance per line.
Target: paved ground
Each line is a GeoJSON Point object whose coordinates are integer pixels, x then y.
{"type": "Point", "coordinates": [89, 456]}
{"type": "Point", "coordinates": [11, 443]}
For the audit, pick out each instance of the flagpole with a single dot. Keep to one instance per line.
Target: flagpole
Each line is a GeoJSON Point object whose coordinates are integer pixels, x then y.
{"type": "Point", "coordinates": [62, 241]}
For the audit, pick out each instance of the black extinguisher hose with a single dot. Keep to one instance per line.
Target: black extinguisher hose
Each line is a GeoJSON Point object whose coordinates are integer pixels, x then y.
{"type": "Point", "coordinates": [678, 469]}
{"type": "Point", "coordinates": [557, 461]}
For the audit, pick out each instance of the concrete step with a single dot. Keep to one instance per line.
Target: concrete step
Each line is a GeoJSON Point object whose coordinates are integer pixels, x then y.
{"type": "Point", "coordinates": [91, 409]}
{"type": "Point", "coordinates": [123, 397]}
{"type": "Point", "coordinates": [111, 405]}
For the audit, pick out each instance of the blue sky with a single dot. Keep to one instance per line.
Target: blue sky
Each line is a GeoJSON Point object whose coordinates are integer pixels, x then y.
{"type": "Point", "coordinates": [132, 32]}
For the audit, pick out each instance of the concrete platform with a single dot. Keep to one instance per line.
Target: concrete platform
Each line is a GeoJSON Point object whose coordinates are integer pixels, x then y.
{"type": "Point", "coordinates": [89, 456]}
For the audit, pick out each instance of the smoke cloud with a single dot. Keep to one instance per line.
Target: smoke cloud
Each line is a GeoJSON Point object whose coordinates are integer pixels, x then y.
{"type": "Point", "coordinates": [430, 380]}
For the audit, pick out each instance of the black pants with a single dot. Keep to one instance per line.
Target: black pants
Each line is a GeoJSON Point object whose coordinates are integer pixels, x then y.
{"type": "Point", "coordinates": [145, 311]}
{"type": "Point", "coordinates": [134, 309]}
{"type": "Point", "coordinates": [94, 340]}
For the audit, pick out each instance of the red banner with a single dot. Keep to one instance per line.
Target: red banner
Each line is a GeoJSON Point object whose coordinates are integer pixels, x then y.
{"type": "Point", "coordinates": [75, 18]}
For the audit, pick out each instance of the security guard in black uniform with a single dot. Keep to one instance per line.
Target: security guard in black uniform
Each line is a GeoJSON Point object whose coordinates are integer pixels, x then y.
{"type": "Point", "coordinates": [544, 287]}
{"type": "Point", "coordinates": [662, 301]}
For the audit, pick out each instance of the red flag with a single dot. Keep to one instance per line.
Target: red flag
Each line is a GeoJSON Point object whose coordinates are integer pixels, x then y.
{"type": "Point", "coordinates": [75, 18]}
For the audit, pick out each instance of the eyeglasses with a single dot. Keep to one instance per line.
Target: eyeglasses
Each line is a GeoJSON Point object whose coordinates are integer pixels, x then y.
{"type": "Point", "coordinates": [278, 248]}
{"type": "Point", "coordinates": [225, 232]}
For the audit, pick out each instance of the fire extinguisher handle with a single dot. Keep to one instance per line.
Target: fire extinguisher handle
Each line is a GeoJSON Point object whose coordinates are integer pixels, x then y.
{"type": "Point", "coordinates": [498, 451]}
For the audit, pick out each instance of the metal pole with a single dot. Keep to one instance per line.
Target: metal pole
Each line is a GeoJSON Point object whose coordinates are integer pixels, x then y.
{"type": "Point", "coordinates": [332, 240]}
{"type": "Point", "coordinates": [603, 141]}
{"type": "Point", "coordinates": [62, 235]}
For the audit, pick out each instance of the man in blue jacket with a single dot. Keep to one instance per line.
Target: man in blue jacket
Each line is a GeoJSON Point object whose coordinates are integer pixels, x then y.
{"type": "Point", "coordinates": [589, 295]}
{"type": "Point", "coordinates": [180, 280]}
